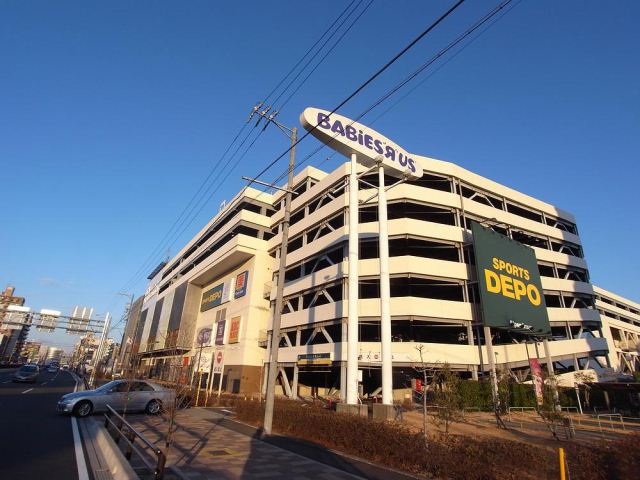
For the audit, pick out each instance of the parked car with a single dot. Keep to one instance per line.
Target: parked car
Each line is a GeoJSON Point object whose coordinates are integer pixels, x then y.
{"type": "Point", "coordinates": [136, 395]}
{"type": "Point", "coordinates": [52, 369]}
{"type": "Point", "coordinates": [27, 373]}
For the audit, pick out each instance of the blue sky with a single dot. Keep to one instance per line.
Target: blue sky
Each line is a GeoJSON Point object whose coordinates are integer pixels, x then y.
{"type": "Point", "coordinates": [113, 113]}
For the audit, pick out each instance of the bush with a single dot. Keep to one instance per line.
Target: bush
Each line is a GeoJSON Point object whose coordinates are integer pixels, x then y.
{"type": "Point", "coordinates": [445, 457]}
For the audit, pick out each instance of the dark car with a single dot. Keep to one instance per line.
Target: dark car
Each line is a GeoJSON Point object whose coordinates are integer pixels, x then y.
{"type": "Point", "coordinates": [27, 373]}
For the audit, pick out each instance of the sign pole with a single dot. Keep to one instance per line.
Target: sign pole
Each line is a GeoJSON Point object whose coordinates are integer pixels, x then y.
{"type": "Point", "coordinates": [385, 292]}
{"type": "Point", "coordinates": [352, 321]}
{"type": "Point", "coordinates": [220, 379]}
{"type": "Point", "coordinates": [492, 368]}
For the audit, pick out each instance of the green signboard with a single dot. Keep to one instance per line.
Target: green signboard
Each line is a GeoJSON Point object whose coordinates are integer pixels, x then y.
{"type": "Point", "coordinates": [509, 282]}
{"type": "Point", "coordinates": [212, 298]}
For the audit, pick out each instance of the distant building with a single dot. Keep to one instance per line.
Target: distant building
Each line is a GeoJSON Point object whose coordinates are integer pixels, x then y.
{"type": "Point", "coordinates": [130, 344]}
{"type": "Point", "coordinates": [85, 350]}
{"type": "Point", "coordinates": [54, 354]}
{"type": "Point", "coordinates": [31, 351]}
{"type": "Point", "coordinates": [12, 334]}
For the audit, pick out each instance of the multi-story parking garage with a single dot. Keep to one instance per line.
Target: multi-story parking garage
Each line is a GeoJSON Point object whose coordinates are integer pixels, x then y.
{"type": "Point", "coordinates": [434, 296]}
{"type": "Point", "coordinates": [215, 294]}
{"type": "Point", "coordinates": [621, 327]}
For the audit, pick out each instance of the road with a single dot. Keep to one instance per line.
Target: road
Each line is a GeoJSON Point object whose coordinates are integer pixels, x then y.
{"type": "Point", "coordinates": [35, 441]}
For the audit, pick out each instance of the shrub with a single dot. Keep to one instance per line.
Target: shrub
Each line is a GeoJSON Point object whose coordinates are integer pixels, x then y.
{"type": "Point", "coordinates": [445, 457]}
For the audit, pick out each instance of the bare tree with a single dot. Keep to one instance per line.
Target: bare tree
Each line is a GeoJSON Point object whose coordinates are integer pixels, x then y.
{"type": "Point", "coordinates": [427, 373]}
{"type": "Point", "coordinates": [549, 410]}
{"type": "Point", "coordinates": [447, 394]}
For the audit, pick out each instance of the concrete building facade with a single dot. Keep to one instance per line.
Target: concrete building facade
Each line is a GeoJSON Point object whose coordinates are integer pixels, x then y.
{"type": "Point", "coordinates": [208, 300]}
{"type": "Point", "coordinates": [434, 298]}
{"type": "Point", "coordinates": [621, 326]}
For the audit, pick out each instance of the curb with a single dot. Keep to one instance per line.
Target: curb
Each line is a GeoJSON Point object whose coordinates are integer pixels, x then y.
{"type": "Point", "coordinates": [333, 458]}
{"type": "Point", "coordinates": [105, 458]}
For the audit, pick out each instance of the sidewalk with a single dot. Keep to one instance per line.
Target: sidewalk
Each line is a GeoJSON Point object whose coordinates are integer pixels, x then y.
{"type": "Point", "coordinates": [202, 449]}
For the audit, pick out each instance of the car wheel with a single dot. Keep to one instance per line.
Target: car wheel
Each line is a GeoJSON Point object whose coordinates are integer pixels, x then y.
{"type": "Point", "coordinates": [82, 409]}
{"type": "Point", "coordinates": [153, 407]}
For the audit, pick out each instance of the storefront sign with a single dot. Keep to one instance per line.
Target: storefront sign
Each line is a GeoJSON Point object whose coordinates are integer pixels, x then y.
{"type": "Point", "coordinates": [241, 284]}
{"type": "Point", "coordinates": [315, 359]}
{"type": "Point", "coordinates": [204, 337]}
{"type": "Point", "coordinates": [220, 332]}
{"type": "Point", "coordinates": [509, 282]}
{"type": "Point", "coordinates": [347, 136]}
{"type": "Point", "coordinates": [234, 330]}
{"type": "Point", "coordinates": [204, 362]}
{"type": "Point", "coordinates": [218, 363]}
{"type": "Point", "coordinates": [212, 298]}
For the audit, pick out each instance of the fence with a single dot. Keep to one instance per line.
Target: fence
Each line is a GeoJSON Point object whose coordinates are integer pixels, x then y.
{"type": "Point", "coordinates": [611, 417]}
{"type": "Point", "coordinates": [123, 430]}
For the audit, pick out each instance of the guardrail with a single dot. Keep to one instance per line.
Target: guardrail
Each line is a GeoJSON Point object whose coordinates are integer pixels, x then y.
{"type": "Point", "coordinates": [610, 415]}
{"type": "Point", "coordinates": [570, 409]}
{"type": "Point", "coordinates": [468, 409]}
{"type": "Point", "coordinates": [123, 430]}
{"type": "Point", "coordinates": [522, 409]}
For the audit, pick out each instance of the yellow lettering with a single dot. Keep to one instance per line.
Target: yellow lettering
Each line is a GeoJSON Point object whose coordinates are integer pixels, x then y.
{"type": "Point", "coordinates": [493, 282]}
{"type": "Point", "coordinates": [526, 275]}
{"type": "Point", "coordinates": [495, 263]}
{"type": "Point", "coordinates": [533, 294]}
{"type": "Point", "coordinates": [502, 265]}
{"type": "Point", "coordinates": [507, 286]}
{"type": "Point", "coordinates": [519, 288]}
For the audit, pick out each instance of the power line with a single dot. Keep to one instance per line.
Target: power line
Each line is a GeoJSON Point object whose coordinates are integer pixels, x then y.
{"type": "Point", "coordinates": [324, 56]}
{"type": "Point", "coordinates": [366, 83]}
{"type": "Point", "coordinates": [186, 215]}
{"type": "Point", "coordinates": [161, 244]}
{"type": "Point", "coordinates": [308, 52]}
{"type": "Point", "coordinates": [469, 31]}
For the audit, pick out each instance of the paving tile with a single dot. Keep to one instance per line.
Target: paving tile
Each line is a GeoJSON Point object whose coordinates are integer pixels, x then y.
{"type": "Point", "coordinates": [202, 449]}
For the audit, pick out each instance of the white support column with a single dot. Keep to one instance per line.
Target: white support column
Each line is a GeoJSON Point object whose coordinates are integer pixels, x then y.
{"type": "Point", "coordinates": [285, 382]}
{"type": "Point", "coordinates": [343, 363]}
{"type": "Point", "coordinates": [352, 327]}
{"type": "Point", "coordinates": [385, 293]}
{"type": "Point", "coordinates": [488, 341]}
{"type": "Point", "coordinates": [294, 386]}
{"type": "Point", "coordinates": [474, 367]}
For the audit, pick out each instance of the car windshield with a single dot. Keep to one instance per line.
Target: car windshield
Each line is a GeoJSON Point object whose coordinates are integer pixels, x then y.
{"type": "Point", "coordinates": [108, 386]}
{"type": "Point", "coordinates": [29, 369]}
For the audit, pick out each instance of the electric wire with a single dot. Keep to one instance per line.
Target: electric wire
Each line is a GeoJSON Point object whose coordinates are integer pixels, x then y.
{"type": "Point", "coordinates": [308, 52]}
{"type": "Point", "coordinates": [379, 72]}
{"type": "Point", "coordinates": [184, 215]}
{"type": "Point", "coordinates": [326, 54]}
{"type": "Point", "coordinates": [478, 24]}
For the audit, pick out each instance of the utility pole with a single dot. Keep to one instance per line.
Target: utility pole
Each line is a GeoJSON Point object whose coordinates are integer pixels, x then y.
{"type": "Point", "coordinates": [98, 354]}
{"type": "Point", "coordinates": [123, 342]}
{"type": "Point", "coordinates": [292, 133]}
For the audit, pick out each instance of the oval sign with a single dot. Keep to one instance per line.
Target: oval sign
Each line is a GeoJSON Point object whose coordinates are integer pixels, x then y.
{"type": "Point", "coordinates": [204, 336]}
{"type": "Point", "coordinates": [348, 136]}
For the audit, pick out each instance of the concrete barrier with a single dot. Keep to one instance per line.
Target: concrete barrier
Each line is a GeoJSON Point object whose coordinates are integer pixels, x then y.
{"type": "Point", "coordinates": [105, 458]}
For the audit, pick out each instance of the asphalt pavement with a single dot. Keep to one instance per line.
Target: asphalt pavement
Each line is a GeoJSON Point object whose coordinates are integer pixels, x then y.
{"type": "Point", "coordinates": [36, 441]}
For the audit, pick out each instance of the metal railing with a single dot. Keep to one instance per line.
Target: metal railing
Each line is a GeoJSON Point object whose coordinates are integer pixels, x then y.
{"type": "Point", "coordinates": [469, 409]}
{"type": "Point", "coordinates": [575, 409]}
{"type": "Point", "coordinates": [124, 431]}
{"type": "Point", "coordinates": [522, 409]}
{"type": "Point", "coordinates": [610, 415]}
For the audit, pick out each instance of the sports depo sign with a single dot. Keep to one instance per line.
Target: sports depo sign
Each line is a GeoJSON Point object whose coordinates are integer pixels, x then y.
{"type": "Point", "coordinates": [509, 282]}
